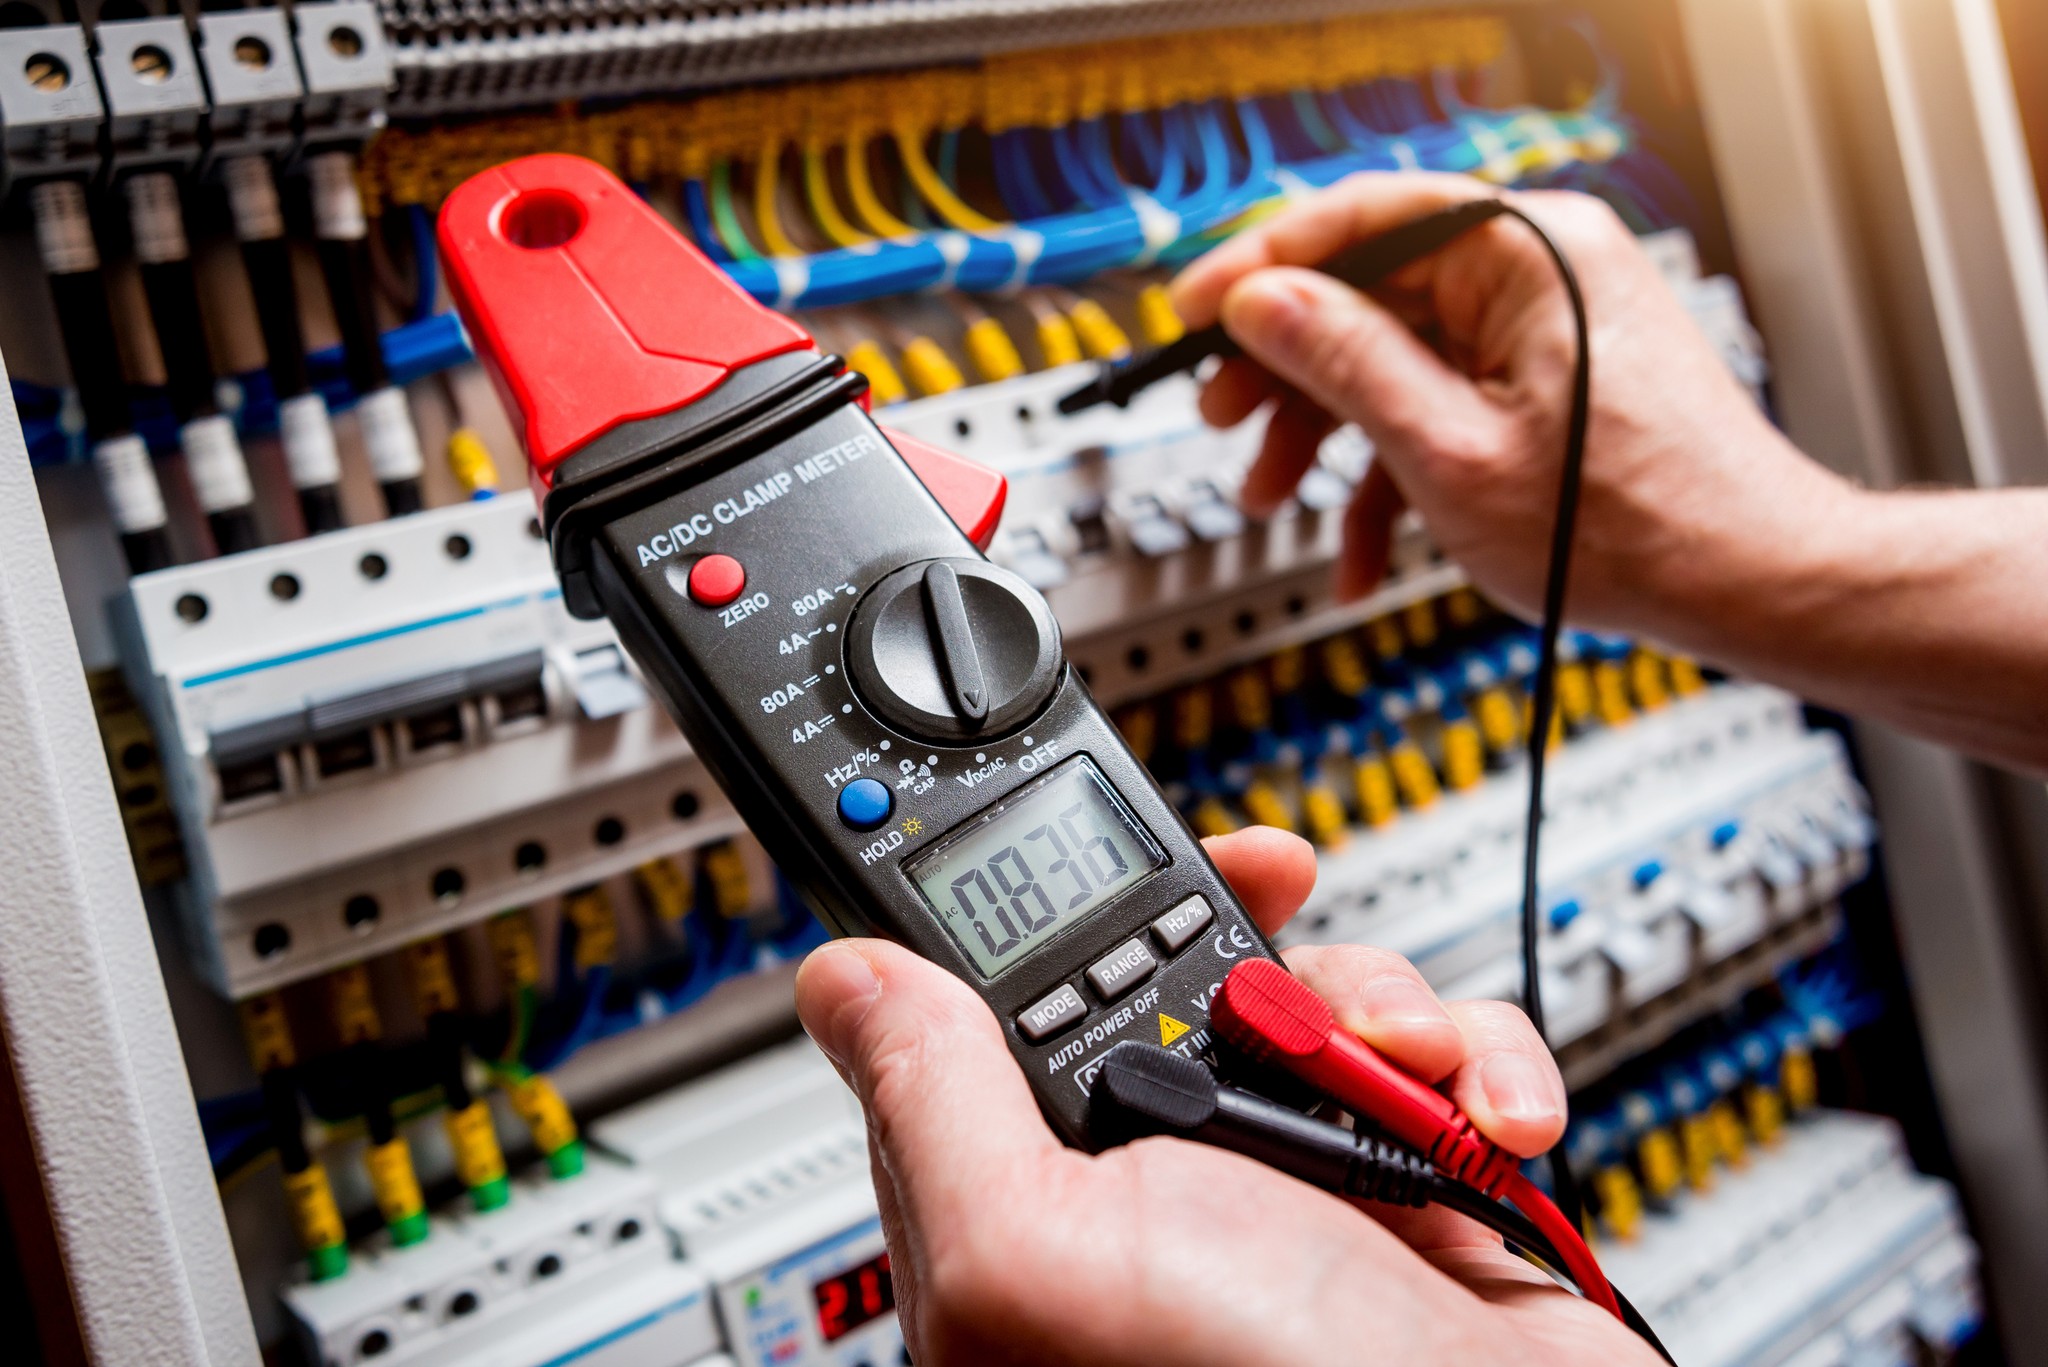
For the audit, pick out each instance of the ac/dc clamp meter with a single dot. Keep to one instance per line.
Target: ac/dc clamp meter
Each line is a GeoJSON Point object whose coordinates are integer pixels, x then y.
{"type": "Point", "coordinates": [890, 712]}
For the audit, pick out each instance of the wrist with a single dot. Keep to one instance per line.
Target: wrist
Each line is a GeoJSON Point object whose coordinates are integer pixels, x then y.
{"type": "Point", "coordinates": [1772, 553]}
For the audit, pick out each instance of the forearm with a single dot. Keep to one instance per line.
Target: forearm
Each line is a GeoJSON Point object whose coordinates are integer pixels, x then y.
{"type": "Point", "coordinates": [1925, 610]}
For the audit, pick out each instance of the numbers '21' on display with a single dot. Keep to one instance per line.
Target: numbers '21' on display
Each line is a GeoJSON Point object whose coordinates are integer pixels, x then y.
{"type": "Point", "coordinates": [854, 1297]}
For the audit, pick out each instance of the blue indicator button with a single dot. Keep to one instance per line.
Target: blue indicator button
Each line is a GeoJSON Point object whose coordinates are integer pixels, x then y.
{"type": "Point", "coordinates": [865, 804]}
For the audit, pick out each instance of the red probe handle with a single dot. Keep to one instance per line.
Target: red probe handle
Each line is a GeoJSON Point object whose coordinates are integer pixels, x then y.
{"type": "Point", "coordinates": [1276, 1018]}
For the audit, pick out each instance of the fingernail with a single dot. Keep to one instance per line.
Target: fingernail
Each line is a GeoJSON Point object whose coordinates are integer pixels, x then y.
{"type": "Point", "coordinates": [1394, 1000]}
{"type": "Point", "coordinates": [1518, 1088]}
{"type": "Point", "coordinates": [838, 979]}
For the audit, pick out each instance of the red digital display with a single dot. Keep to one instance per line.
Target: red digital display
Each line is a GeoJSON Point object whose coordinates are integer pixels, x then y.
{"type": "Point", "coordinates": [853, 1297]}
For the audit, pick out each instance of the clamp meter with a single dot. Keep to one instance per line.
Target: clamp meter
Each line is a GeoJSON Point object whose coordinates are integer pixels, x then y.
{"type": "Point", "coordinates": [891, 713]}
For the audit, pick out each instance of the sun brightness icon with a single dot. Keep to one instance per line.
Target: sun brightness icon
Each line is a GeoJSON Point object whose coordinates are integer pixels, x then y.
{"type": "Point", "coordinates": [913, 827]}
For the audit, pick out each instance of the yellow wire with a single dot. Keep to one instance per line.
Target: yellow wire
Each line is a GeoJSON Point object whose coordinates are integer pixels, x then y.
{"type": "Point", "coordinates": [880, 221]}
{"type": "Point", "coordinates": [818, 191]}
{"type": "Point", "coordinates": [767, 174]}
{"type": "Point", "coordinates": [949, 206]}
{"type": "Point", "coordinates": [230, 1180]}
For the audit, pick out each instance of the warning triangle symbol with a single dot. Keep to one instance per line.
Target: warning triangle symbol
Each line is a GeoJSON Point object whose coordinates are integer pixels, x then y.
{"type": "Point", "coordinates": [1170, 1029]}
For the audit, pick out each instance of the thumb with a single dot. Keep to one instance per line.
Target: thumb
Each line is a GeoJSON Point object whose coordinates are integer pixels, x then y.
{"type": "Point", "coordinates": [1350, 355]}
{"type": "Point", "coordinates": [952, 1116]}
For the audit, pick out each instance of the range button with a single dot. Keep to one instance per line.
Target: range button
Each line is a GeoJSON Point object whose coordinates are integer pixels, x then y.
{"type": "Point", "coordinates": [1052, 1014]}
{"type": "Point", "coordinates": [1122, 969]}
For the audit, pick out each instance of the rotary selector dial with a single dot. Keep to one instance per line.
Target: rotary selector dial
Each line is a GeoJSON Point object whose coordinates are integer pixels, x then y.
{"type": "Point", "coordinates": [953, 650]}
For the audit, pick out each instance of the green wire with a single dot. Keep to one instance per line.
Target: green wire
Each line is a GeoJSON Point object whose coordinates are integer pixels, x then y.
{"type": "Point", "coordinates": [723, 215]}
{"type": "Point", "coordinates": [525, 1006]}
{"type": "Point", "coordinates": [1312, 120]}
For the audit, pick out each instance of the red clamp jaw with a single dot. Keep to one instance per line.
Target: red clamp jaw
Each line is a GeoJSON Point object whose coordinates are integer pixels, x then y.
{"type": "Point", "coordinates": [616, 345]}
{"type": "Point", "coordinates": [587, 308]}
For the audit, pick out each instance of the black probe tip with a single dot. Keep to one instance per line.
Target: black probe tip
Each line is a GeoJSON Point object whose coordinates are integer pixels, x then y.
{"type": "Point", "coordinates": [1096, 391]}
{"type": "Point", "coordinates": [1172, 1094]}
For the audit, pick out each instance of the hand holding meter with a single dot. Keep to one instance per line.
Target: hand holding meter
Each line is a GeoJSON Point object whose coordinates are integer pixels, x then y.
{"type": "Point", "coordinates": [807, 593]}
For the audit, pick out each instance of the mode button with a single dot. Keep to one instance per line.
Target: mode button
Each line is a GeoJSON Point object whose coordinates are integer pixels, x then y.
{"type": "Point", "coordinates": [1051, 1014]}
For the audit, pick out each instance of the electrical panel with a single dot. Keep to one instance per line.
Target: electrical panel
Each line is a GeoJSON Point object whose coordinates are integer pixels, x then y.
{"type": "Point", "coordinates": [512, 975]}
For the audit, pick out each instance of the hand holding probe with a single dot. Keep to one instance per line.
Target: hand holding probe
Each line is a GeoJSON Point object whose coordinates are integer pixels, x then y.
{"type": "Point", "coordinates": [1146, 1090]}
{"type": "Point", "coordinates": [1276, 1019]}
{"type": "Point", "coordinates": [1361, 266]}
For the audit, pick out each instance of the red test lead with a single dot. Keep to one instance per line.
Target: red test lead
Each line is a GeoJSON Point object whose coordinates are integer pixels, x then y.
{"type": "Point", "coordinates": [1276, 1019]}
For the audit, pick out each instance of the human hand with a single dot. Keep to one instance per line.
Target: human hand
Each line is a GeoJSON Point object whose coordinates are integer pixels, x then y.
{"type": "Point", "coordinates": [1008, 1248]}
{"type": "Point", "coordinates": [1459, 371]}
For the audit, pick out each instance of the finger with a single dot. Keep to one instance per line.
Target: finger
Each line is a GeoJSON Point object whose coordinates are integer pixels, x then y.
{"type": "Point", "coordinates": [1271, 871]}
{"type": "Point", "coordinates": [951, 1113]}
{"type": "Point", "coordinates": [1316, 229]}
{"type": "Point", "coordinates": [1235, 392]}
{"type": "Point", "coordinates": [1379, 997]}
{"type": "Point", "coordinates": [1294, 434]}
{"type": "Point", "coordinates": [1350, 355]}
{"type": "Point", "coordinates": [1368, 539]}
{"type": "Point", "coordinates": [1508, 1084]}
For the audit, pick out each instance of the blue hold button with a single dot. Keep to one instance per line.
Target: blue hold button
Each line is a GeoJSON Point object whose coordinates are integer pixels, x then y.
{"type": "Point", "coordinates": [865, 804]}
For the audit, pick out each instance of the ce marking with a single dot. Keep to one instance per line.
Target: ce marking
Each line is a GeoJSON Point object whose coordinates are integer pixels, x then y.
{"type": "Point", "coordinates": [1239, 941]}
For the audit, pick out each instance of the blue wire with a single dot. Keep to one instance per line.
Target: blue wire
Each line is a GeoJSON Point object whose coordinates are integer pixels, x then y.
{"type": "Point", "coordinates": [1007, 190]}
{"type": "Point", "coordinates": [1075, 170]}
{"type": "Point", "coordinates": [1173, 172]}
{"type": "Point", "coordinates": [1094, 138]}
{"type": "Point", "coordinates": [1258, 144]}
{"type": "Point", "coordinates": [1146, 146]}
{"type": "Point", "coordinates": [1016, 180]}
{"type": "Point", "coordinates": [589, 1011]}
{"type": "Point", "coordinates": [698, 210]}
{"type": "Point", "coordinates": [1354, 129]}
{"type": "Point", "coordinates": [1216, 157]}
{"type": "Point", "coordinates": [425, 264]}
{"type": "Point", "coordinates": [1411, 103]}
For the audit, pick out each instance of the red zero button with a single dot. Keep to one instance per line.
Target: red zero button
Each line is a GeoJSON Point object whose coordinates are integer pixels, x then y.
{"type": "Point", "coordinates": [716, 580]}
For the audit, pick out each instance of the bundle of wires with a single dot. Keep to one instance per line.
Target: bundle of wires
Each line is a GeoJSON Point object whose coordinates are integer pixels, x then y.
{"type": "Point", "coordinates": [1197, 171]}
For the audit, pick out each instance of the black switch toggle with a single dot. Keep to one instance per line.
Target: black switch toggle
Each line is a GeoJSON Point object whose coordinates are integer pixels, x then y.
{"type": "Point", "coordinates": [955, 640]}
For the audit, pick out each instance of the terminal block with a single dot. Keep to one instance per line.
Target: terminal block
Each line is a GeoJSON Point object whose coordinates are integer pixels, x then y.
{"type": "Point", "coordinates": [252, 81]}
{"type": "Point", "coordinates": [156, 98]}
{"type": "Point", "coordinates": [50, 109]}
{"type": "Point", "coordinates": [346, 64]}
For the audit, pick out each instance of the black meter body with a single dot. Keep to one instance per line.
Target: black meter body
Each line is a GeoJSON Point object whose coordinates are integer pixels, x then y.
{"type": "Point", "coordinates": [1035, 858]}
{"type": "Point", "coordinates": [891, 713]}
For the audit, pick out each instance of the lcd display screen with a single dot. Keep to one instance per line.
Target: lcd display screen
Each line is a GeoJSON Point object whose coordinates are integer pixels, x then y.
{"type": "Point", "coordinates": [1034, 864]}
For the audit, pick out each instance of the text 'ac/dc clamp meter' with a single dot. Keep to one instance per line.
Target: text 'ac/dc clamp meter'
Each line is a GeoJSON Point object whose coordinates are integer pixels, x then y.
{"type": "Point", "coordinates": [890, 711]}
